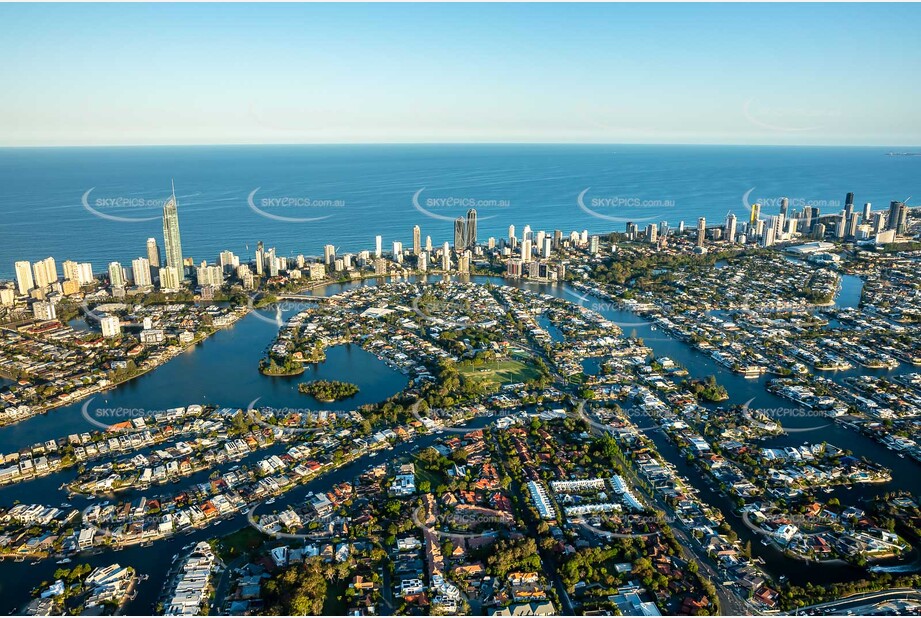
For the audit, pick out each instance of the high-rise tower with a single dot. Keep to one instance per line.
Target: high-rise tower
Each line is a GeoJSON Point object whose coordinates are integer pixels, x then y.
{"type": "Point", "coordinates": [171, 242]}
{"type": "Point", "coordinates": [701, 231]}
{"type": "Point", "coordinates": [153, 253]}
{"type": "Point", "coordinates": [471, 228]}
{"type": "Point", "coordinates": [460, 234]}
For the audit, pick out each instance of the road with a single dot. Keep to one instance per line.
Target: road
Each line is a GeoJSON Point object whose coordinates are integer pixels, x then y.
{"type": "Point", "coordinates": [730, 603]}
{"type": "Point", "coordinates": [861, 601]}
{"type": "Point", "coordinates": [547, 558]}
{"type": "Point", "coordinates": [691, 550]}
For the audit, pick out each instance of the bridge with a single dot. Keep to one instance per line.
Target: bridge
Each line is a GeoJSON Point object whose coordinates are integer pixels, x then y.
{"type": "Point", "coordinates": [304, 298]}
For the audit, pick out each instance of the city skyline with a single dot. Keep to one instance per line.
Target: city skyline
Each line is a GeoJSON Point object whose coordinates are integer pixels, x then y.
{"type": "Point", "coordinates": [876, 228]}
{"type": "Point", "coordinates": [460, 309]}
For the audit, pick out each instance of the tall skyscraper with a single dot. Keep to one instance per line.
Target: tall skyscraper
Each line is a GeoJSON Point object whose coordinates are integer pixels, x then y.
{"type": "Point", "coordinates": [260, 258]}
{"type": "Point", "coordinates": [446, 257]}
{"type": "Point", "coordinates": [271, 262]}
{"type": "Point", "coordinates": [428, 244]}
{"type": "Point", "coordinates": [24, 280]}
{"type": "Point", "coordinates": [378, 246]}
{"type": "Point", "coordinates": [70, 269]}
{"type": "Point", "coordinates": [141, 270]}
{"type": "Point", "coordinates": [171, 242]}
{"type": "Point", "coordinates": [153, 253]}
{"type": "Point", "coordinates": [848, 206]}
{"type": "Point", "coordinates": [767, 237]}
{"type": "Point", "coordinates": [756, 212]}
{"type": "Point", "coordinates": [812, 217]}
{"type": "Point", "coordinates": [460, 234]}
{"type": "Point", "coordinates": [229, 262]}
{"type": "Point", "coordinates": [116, 275]}
{"type": "Point", "coordinates": [852, 224]}
{"type": "Point", "coordinates": [731, 227]}
{"type": "Point", "coordinates": [526, 249]}
{"type": "Point", "coordinates": [417, 240]}
{"type": "Point", "coordinates": [471, 228]}
{"type": "Point", "coordinates": [44, 272]}
{"type": "Point", "coordinates": [329, 254]}
{"type": "Point", "coordinates": [784, 206]}
{"type": "Point", "coordinates": [84, 273]}
{"type": "Point", "coordinates": [902, 225]}
{"type": "Point", "coordinates": [867, 212]}
{"type": "Point", "coordinates": [701, 231]}
{"type": "Point", "coordinates": [895, 214]}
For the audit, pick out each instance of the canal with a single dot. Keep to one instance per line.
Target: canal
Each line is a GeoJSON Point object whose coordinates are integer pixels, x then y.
{"type": "Point", "coordinates": [222, 370]}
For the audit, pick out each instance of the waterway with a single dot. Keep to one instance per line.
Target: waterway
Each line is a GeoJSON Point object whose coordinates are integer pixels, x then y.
{"type": "Point", "coordinates": [742, 390]}
{"type": "Point", "coordinates": [222, 370]}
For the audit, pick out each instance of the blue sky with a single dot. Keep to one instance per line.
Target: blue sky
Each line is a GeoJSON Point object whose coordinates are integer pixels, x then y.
{"type": "Point", "coordinates": [316, 73]}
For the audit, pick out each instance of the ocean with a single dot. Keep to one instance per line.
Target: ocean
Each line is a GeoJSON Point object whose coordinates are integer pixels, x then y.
{"type": "Point", "coordinates": [345, 195]}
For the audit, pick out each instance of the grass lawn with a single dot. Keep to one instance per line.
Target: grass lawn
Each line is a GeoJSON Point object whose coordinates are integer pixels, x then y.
{"type": "Point", "coordinates": [334, 604]}
{"type": "Point", "coordinates": [501, 372]}
{"type": "Point", "coordinates": [240, 542]}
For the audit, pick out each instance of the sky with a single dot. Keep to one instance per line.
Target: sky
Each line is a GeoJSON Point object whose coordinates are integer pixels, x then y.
{"type": "Point", "coordinates": [126, 74]}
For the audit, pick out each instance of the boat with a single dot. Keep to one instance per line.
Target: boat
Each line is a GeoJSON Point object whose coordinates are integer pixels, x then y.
{"type": "Point", "coordinates": [270, 501]}
{"type": "Point", "coordinates": [65, 561]}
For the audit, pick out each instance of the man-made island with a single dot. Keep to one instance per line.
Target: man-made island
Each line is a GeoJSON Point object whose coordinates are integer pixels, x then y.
{"type": "Point", "coordinates": [328, 390]}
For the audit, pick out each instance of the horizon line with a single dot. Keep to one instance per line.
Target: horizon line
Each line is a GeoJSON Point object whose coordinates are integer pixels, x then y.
{"type": "Point", "coordinates": [446, 143]}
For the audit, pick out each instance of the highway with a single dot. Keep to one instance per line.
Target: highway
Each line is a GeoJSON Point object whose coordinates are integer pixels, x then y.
{"type": "Point", "coordinates": [860, 602]}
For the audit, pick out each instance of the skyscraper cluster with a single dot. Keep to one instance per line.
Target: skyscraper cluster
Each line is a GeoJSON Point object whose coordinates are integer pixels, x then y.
{"type": "Point", "coordinates": [465, 231]}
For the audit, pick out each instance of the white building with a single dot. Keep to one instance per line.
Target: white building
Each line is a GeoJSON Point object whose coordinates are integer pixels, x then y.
{"type": "Point", "coordinates": [111, 326]}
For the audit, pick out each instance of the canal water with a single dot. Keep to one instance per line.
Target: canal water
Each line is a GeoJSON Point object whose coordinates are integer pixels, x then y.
{"type": "Point", "coordinates": [222, 370]}
{"type": "Point", "coordinates": [742, 390]}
